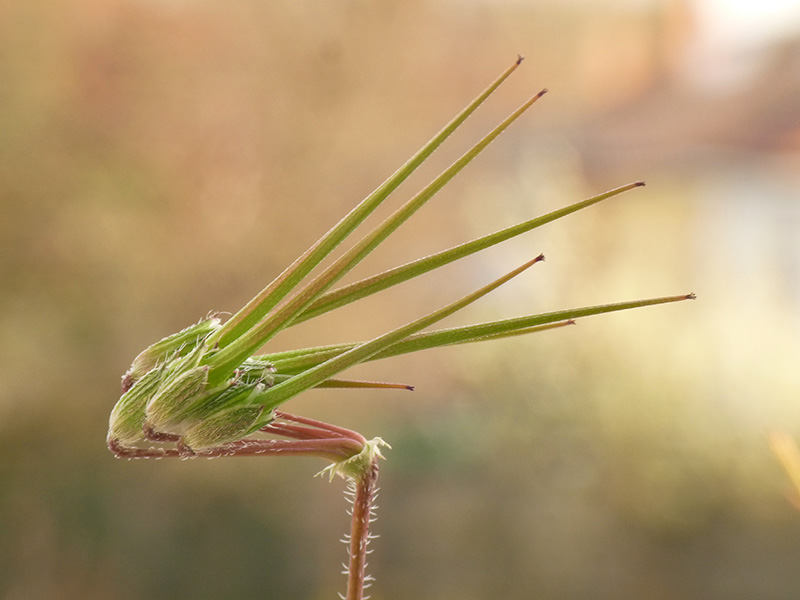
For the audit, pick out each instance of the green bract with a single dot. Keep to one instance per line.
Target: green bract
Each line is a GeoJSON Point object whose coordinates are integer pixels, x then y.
{"type": "Point", "coordinates": [204, 391]}
{"type": "Point", "coordinates": [226, 425]}
{"type": "Point", "coordinates": [171, 347]}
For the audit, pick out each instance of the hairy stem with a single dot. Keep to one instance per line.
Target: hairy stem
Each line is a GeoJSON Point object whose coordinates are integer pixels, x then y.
{"type": "Point", "coordinates": [365, 490]}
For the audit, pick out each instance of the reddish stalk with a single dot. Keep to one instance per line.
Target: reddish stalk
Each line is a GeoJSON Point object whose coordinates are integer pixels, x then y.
{"type": "Point", "coordinates": [365, 491]}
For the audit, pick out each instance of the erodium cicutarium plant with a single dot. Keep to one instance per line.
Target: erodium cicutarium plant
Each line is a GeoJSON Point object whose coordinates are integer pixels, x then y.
{"type": "Point", "coordinates": [206, 392]}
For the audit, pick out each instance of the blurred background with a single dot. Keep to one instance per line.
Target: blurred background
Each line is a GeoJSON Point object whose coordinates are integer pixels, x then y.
{"type": "Point", "coordinates": [160, 159]}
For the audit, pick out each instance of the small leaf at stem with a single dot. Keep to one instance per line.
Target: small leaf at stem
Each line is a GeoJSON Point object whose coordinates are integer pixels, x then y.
{"type": "Point", "coordinates": [355, 466]}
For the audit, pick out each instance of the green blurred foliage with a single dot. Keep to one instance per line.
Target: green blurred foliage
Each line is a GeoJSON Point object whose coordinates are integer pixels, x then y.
{"type": "Point", "coordinates": [162, 159]}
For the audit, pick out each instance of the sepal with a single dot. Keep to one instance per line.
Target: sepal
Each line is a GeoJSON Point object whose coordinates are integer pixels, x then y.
{"type": "Point", "coordinates": [226, 426]}
{"type": "Point", "coordinates": [358, 464]}
{"type": "Point", "coordinates": [127, 418]}
{"type": "Point", "coordinates": [167, 407]}
{"type": "Point", "coordinates": [173, 346]}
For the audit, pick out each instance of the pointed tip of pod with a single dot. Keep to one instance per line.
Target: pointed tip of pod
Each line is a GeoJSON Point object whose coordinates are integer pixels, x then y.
{"type": "Point", "coordinates": [691, 296]}
{"type": "Point", "coordinates": [639, 184]}
{"type": "Point", "coordinates": [520, 58]}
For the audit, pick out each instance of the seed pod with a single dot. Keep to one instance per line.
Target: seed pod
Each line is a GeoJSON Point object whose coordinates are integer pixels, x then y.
{"type": "Point", "coordinates": [127, 419]}
{"type": "Point", "coordinates": [167, 407]}
{"type": "Point", "coordinates": [236, 395]}
{"type": "Point", "coordinates": [226, 426]}
{"type": "Point", "coordinates": [173, 346]}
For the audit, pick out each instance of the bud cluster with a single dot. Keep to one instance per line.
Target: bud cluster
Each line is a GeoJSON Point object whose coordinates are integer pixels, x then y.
{"type": "Point", "coordinates": [167, 396]}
